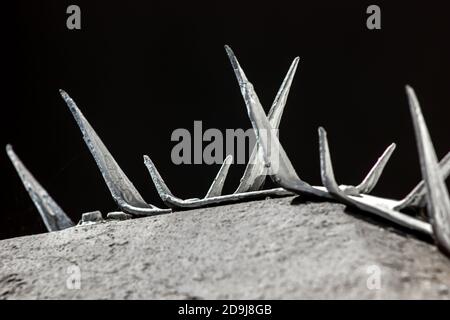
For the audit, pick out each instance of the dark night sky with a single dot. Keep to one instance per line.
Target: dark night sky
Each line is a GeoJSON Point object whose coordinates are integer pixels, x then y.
{"type": "Point", "coordinates": [140, 69]}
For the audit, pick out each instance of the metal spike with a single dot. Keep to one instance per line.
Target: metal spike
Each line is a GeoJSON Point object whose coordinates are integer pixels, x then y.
{"type": "Point", "coordinates": [174, 202]}
{"type": "Point", "coordinates": [370, 181]}
{"type": "Point", "coordinates": [280, 167]}
{"type": "Point", "coordinates": [159, 182]}
{"type": "Point", "coordinates": [438, 203]}
{"type": "Point", "coordinates": [121, 188]}
{"type": "Point", "coordinates": [51, 213]}
{"type": "Point", "coordinates": [367, 203]}
{"type": "Point", "coordinates": [284, 175]}
{"type": "Point", "coordinates": [255, 173]}
{"type": "Point", "coordinates": [216, 187]}
{"type": "Point", "coordinates": [417, 197]}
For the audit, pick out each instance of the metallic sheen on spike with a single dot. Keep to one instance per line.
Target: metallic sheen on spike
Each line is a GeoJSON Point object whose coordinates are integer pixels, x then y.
{"type": "Point", "coordinates": [283, 173]}
{"type": "Point", "coordinates": [274, 154]}
{"type": "Point", "coordinates": [417, 197]}
{"type": "Point", "coordinates": [375, 205]}
{"type": "Point", "coordinates": [216, 187]}
{"type": "Point", "coordinates": [267, 158]}
{"type": "Point", "coordinates": [437, 194]}
{"type": "Point", "coordinates": [255, 173]}
{"type": "Point", "coordinates": [121, 188]}
{"type": "Point", "coordinates": [280, 167]}
{"type": "Point", "coordinates": [374, 174]}
{"type": "Point", "coordinates": [174, 202]}
{"type": "Point", "coordinates": [53, 216]}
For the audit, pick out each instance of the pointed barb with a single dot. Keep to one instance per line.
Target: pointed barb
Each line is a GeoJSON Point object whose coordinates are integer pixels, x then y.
{"type": "Point", "coordinates": [275, 158]}
{"type": "Point", "coordinates": [255, 172]}
{"type": "Point", "coordinates": [276, 111]}
{"type": "Point", "coordinates": [374, 205]}
{"type": "Point", "coordinates": [122, 189]}
{"type": "Point", "coordinates": [417, 197]}
{"type": "Point", "coordinates": [51, 213]}
{"type": "Point", "coordinates": [437, 194]}
{"type": "Point", "coordinates": [240, 75]}
{"type": "Point", "coordinates": [326, 166]}
{"type": "Point", "coordinates": [160, 185]}
{"type": "Point", "coordinates": [176, 202]}
{"type": "Point", "coordinates": [216, 187]}
{"type": "Point", "coordinates": [371, 180]}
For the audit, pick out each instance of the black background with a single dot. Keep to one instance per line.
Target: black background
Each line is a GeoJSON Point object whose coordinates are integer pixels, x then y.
{"type": "Point", "coordinates": [140, 69]}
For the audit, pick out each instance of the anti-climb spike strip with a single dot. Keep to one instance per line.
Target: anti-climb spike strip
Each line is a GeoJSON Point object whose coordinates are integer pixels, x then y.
{"type": "Point", "coordinates": [276, 159]}
{"type": "Point", "coordinates": [269, 158]}
{"type": "Point", "coordinates": [283, 173]}
{"type": "Point", "coordinates": [255, 171]}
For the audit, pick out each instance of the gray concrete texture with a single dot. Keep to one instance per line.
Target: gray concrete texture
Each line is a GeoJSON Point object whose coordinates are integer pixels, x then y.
{"type": "Point", "coordinates": [270, 249]}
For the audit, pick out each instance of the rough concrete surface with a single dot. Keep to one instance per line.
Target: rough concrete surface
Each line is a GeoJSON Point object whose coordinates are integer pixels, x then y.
{"type": "Point", "coordinates": [269, 249]}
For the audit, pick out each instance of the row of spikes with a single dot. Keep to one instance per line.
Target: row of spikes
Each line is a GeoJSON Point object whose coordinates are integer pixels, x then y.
{"type": "Point", "coordinates": [268, 158]}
